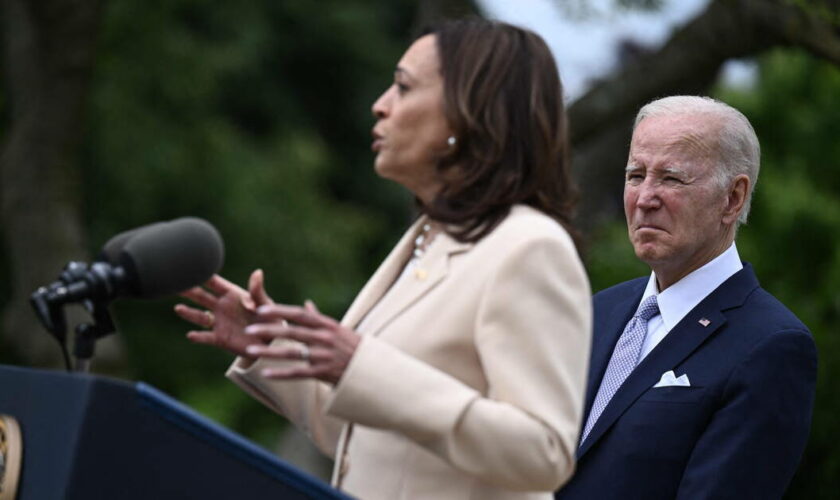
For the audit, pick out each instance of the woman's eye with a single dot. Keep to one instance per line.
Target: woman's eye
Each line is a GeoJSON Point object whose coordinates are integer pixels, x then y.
{"type": "Point", "coordinates": [401, 87]}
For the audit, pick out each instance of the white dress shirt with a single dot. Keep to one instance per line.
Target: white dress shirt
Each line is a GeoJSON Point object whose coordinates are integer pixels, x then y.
{"type": "Point", "coordinates": [680, 298]}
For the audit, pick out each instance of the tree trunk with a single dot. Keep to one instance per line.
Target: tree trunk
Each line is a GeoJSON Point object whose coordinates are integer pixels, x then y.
{"type": "Point", "coordinates": [49, 56]}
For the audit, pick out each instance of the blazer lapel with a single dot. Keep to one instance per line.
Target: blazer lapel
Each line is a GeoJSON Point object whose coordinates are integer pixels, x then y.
{"type": "Point", "coordinates": [384, 276]}
{"type": "Point", "coordinates": [428, 273]}
{"type": "Point", "coordinates": [390, 297]}
{"type": "Point", "coordinates": [684, 339]}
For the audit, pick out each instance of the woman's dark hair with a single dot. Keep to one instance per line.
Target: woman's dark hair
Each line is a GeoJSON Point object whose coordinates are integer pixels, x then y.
{"type": "Point", "coordinates": [504, 101]}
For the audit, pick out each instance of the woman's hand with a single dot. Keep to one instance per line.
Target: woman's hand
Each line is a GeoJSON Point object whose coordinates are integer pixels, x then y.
{"type": "Point", "coordinates": [325, 344]}
{"type": "Point", "coordinates": [228, 310]}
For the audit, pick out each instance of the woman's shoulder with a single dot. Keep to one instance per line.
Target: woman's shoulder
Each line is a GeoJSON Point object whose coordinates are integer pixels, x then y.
{"type": "Point", "coordinates": [530, 245]}
{"type": "Point", "coordinates": [525, 224]}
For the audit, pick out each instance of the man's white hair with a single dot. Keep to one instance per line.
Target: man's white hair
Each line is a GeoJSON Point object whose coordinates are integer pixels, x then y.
{"type": "Point", "coordinates": [736, 144]}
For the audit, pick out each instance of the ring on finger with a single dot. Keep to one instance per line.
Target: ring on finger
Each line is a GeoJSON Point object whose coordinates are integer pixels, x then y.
{"type": "Point", "coordinates": [304, 352]}
{"type": "Point", "coordinates": [211, 319]}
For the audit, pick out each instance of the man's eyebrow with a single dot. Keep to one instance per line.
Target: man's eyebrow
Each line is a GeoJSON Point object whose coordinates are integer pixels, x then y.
{"type": "Point", "coordinates": [674, 171]}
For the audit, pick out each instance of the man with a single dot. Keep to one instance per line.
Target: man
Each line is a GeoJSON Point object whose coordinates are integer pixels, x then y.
{"type": "Point", "coordinates": [701, 384]}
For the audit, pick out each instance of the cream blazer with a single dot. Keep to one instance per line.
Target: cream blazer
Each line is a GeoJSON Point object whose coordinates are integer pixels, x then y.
{"type": "Point", "coordinates": [469, 380]}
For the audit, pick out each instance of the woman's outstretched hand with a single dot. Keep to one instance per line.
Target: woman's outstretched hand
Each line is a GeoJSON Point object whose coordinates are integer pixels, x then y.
{"type": "Point", "coordinates": [228, 309]}
{"type": "Point", "coordinates": [323, 342]}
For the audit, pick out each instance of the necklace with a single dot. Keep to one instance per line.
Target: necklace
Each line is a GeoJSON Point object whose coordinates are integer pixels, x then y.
{"type": "Point", "coordinates": [422, 241]}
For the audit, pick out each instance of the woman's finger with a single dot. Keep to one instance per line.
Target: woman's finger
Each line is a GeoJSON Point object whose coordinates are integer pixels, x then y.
{"type": "Point", "coordinates": [285, 351]}
{"type": "Point", "coordinates": [203, 337]}
{"type": "Point", "coordinates": [197, 316]}
{"type": "Point", "coordinates": [288, 331]}
{"type": "Point", "coordinates": [221, 286]}
{"type": "Point", "coordinates": [294, 314]}
{"type": "Point", "coordinates": [265, 331]}
{"type": "Point", "coordinates": [256, 289]}
{"type": "Point", "coordinates": [201, 297]}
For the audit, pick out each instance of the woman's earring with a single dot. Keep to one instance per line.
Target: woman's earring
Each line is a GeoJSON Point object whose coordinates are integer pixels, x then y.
{"type": "Point", "coordinates": [451, 140]}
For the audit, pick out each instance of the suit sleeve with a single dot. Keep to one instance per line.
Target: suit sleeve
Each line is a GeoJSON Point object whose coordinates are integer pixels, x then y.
{"type": "Point", "coordinates": [753, 443]}
{"type": "Point", "coordinates": [532, 333]}
{"type": "Point", "coordinates": [301, 401]}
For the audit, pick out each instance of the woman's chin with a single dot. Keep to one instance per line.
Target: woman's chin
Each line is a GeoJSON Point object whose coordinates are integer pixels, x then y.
{"type": "Point", "coordinates": [380, 168]}
{"type": "Point", "coordinates": [385, 169]}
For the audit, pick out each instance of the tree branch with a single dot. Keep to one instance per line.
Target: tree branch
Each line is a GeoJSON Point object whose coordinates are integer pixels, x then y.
{"type": "Point", "coordinates": [688, 63]}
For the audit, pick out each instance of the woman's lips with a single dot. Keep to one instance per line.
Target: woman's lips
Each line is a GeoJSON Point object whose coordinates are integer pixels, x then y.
{"type": "Point", "coordinates": [376, 145]}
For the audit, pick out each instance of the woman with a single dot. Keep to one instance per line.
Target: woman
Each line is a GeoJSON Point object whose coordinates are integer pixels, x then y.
{"type": "Point", "coordinates": [459, 370]}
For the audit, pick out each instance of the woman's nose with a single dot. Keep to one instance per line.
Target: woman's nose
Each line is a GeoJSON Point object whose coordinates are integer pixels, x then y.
{"type": "Point", "coordinates": [380, 106]}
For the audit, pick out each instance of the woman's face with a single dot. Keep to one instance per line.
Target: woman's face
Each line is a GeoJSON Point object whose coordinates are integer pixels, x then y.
{"type": "Point", "coordinates": [411, 131]}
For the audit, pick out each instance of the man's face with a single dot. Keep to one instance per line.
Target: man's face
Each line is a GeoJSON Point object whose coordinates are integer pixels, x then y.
{"type": "Point", "coordinates": [673, 204]}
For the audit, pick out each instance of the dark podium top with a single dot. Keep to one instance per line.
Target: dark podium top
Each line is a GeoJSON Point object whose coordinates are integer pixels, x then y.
{"type": "Point", "coordinates": [89, 437]}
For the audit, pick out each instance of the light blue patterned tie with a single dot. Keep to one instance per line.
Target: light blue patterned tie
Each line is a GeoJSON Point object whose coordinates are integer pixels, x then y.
{"type": "Point", "coordinates": [623, 360]}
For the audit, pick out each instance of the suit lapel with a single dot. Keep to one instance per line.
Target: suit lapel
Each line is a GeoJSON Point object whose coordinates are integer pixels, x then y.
{"type": "Point", "coordinates": [683, 340]}
{"type": "Point", "coordinates": [615, 318]}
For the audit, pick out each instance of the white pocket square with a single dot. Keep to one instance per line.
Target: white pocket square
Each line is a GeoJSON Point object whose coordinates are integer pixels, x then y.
{"type": "Point", "coordinates": [670, 380]}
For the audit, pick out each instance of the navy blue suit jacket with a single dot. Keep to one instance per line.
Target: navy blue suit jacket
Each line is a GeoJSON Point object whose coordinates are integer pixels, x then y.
{"type": "Point", "coordinates": [737, 432]}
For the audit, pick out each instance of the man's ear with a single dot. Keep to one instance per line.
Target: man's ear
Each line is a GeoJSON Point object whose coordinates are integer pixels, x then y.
{"type": "Point", "coordinates": [736, 197]}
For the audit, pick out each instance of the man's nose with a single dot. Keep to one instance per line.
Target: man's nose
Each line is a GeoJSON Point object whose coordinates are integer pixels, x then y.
{"type": "Point", "coordinates": [648, 195]}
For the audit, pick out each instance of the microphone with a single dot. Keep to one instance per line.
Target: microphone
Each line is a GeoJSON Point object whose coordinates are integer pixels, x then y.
{"type": "Point", "coordinates": [111, 250]}
{"type": "Point", "coordinates": [148, 262]}
{"type": "Point", "coordinates": [169, 258]}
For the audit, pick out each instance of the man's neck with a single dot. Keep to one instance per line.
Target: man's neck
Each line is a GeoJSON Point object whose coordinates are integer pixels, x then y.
{"type": "Point", "coordinates": [667, 275]}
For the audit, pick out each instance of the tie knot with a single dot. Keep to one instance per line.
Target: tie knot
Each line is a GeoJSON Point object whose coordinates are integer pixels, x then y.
{"type": "Point", "coordinates": [648, 309]}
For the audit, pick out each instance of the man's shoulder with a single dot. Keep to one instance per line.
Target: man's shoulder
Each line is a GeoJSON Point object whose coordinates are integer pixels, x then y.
{"type": "Point", "coordinates": [621, 291]}
{"type": "Point", "coordinates": [764, 308]}
{"type": "Point", "coordinates": [743, 300]}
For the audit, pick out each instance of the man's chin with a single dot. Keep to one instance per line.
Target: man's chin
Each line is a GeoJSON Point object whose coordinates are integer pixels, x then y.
{"type": "Point", "coordinates": [649, 253]}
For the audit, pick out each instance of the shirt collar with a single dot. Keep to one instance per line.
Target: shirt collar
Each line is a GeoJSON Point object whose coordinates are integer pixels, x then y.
{"type": "Point", "coordinates": [683, 296]}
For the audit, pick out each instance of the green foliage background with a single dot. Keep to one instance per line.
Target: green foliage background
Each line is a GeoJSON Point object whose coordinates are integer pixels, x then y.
{"type": "Point", "coordinates": [792, 237]}
{"type": "Point", "coordinates": [255, 115]}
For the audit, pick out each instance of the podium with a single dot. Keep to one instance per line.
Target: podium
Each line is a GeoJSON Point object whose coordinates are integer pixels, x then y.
{"type": "Point", "coordinates": [90, 437]}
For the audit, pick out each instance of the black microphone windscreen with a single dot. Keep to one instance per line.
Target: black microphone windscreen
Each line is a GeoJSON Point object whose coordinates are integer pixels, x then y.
{"type": "Point", "coordinates": [170, 257]}
{"type": "Point", "coordinates": [111, 250]}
